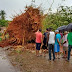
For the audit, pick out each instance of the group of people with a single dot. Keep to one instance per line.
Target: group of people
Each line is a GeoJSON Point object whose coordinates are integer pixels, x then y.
{"type": "Point", "coordinates": [54, 42]}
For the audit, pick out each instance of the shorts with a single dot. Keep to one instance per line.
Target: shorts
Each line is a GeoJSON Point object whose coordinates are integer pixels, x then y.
{"type": "Point", "coordinates": [38, 46]}
{"type": "Point", "coordinates": [44, 47]}
{"type": "Point", "coordinates": [44, 41]}
{"type": "Point", "coordinates": [56, 48]}
{"type": "Point", "coordinates": [65, 48]}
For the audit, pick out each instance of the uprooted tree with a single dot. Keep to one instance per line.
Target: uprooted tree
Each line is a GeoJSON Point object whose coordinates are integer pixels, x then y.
{"type": "Point", "coordinates": [23, 27]}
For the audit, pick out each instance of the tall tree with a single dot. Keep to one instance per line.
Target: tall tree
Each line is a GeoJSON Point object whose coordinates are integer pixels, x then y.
{"type": "Point", "coordinates": [2, 14]}
{"type": "Point", "coordinates": [63, 16]}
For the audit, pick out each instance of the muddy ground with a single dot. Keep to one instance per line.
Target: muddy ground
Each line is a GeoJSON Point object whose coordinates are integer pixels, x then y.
{"type": "Point", "coordinates": [26, 61]}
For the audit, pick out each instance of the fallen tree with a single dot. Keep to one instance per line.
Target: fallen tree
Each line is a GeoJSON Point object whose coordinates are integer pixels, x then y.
{"type": "Point", "coordinates": [22, 28]}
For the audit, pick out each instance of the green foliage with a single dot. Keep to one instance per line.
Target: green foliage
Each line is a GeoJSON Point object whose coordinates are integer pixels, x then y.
{"type": "Point", "coordinates": [2, 14]}
{"type": "Point", "coordinates": [0, 34]}
{"type": "Point", "coordinates": [3, 23]}
{"type": "Point", "coordinates": [63, 16]}
{"type": "Point", "coordinates": [0, 39]}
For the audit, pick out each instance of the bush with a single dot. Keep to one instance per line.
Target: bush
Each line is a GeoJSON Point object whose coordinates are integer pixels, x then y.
{"type": "Point", "coordinates": [3, 23]}
{"type": "Point", "coordinates": [0, 39]}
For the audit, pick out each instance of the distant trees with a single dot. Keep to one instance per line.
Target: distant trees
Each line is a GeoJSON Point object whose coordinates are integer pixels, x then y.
{"type": "Point", "coordinates": [63, 16]}
{"type": "Point", "coordinates": [3, 22]}
{"type": "Point", "coordinates": [2, 14]}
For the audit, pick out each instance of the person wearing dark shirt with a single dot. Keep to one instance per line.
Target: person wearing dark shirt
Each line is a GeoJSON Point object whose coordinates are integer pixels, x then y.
{"type": "Point", "coordinates": [45, 44]}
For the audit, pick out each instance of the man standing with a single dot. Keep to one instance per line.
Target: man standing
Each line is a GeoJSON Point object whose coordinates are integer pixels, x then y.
{"type": "Point", "coordinates": [51, 41]}
{"type": "Point", "coordinates": [45, 35]}
{"type": "Point", "coordinates": [65, 45]}
{"type": "Point", "coordinates": [38, 41]}
{"type": "Point", "coordinates": [57, 44]}
{"type": "Point", "coordinates": [45, 43]}
{"type": "Point", "coordinates": [69, 44]}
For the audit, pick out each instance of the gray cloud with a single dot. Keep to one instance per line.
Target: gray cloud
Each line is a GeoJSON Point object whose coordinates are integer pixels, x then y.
{"type": "Point", "coordinates": [12, 6]}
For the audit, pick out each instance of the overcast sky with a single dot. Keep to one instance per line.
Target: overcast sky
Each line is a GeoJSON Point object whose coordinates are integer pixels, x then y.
{"type": "Point", "coordinates": [12, 7]}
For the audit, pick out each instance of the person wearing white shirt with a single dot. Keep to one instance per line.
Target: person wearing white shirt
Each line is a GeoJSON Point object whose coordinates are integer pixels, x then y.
{"type": "Point", "coordinates": [51, 42]}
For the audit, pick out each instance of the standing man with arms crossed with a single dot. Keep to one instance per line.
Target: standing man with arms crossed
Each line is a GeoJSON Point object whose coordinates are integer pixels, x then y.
{"type": "Point", "coordinates": [51, 42]}
{"type": "Point", "coordinates": [38, 41]}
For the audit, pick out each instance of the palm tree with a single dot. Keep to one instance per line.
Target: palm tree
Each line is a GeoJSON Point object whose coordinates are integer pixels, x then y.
{"type": "Point", "coordinates": [2, 14]}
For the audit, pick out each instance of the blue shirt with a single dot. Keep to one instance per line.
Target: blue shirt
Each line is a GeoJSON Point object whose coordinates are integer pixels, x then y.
{"type": "Point", "coordinates": [58, 36]}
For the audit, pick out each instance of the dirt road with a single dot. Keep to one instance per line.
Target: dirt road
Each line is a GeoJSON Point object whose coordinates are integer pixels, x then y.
{"type": "Point", "coordinates": [28, 62]}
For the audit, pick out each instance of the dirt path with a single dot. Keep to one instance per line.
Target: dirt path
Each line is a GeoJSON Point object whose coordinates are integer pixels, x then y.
{"type": "Point", "coordinates": [5, 65]}
{"type": "Point", "coordinates": [28, 62]}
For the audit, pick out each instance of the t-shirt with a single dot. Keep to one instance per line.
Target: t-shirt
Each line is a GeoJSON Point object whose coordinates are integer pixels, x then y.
{"type": "Point", "coordinates": [38, 37]}
{"type": "Point", "coordinates": [58, 36]}
{"type": "Point", "coordinates": [65, 39]}
{"type": "Point", "coordinates": [45, 37]}
{"type": "Point", "coordinates": [45, 34]}
{"type": "Point", "coordinates": [69, 38]}
{"type": "Point", "coordinates": [51, 38]}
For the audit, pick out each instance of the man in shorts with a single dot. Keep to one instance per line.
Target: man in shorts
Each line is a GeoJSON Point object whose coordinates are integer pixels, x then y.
{"type": "Point", "coordinates": [45, 43]}
{"type": "Point", "coordinates": [38, 41]}
{"type": "Point", "coordinates": [65, 44]}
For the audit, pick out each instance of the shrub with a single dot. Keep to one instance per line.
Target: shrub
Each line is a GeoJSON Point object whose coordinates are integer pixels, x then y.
{"type": "Point", "coordinates": [3, 23]}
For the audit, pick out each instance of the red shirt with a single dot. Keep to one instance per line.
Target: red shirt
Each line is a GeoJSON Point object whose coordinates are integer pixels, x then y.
{"type": "Point", "coordinates": [38, 37]}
